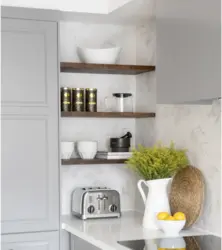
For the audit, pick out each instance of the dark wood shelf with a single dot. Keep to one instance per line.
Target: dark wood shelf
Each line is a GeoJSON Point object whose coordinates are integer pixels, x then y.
{"type": "Point", "coordinates": [93, 161]}
{"type": "Point", "coordinates": [73, 67]}
{"type": "Point", "coordinates": [108, 114]}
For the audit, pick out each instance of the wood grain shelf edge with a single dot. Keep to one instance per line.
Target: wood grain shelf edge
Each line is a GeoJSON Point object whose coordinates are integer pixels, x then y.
{"type": "Point", "coordinates": [93, 161]}
{"type": "Point", "coordinates": [108, 114]}
{"type": "Point", "coordinates": [74, 67]}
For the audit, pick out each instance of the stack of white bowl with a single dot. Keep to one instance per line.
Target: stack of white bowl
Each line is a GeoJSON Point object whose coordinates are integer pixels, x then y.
{"type": "Point", "coordinates": [67, 149]}
{"type": "Point", "coordinates": [87, 149]}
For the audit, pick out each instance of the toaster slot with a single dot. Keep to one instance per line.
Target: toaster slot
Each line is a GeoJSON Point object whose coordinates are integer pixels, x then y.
{"type": "Point", "coordinates": [90, 199]}
{"type": "Point", "coordinates": [105, 198]}
{"type": "Point", "coordinates": [99, 199]}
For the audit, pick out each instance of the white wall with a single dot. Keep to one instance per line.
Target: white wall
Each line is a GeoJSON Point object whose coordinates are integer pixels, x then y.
{"type": "Point", "coordinates": [87, 6]}
{"type": "Point", "coordinates": [197, 128]}
{"type": "Point", "coordinates": [84, 6]}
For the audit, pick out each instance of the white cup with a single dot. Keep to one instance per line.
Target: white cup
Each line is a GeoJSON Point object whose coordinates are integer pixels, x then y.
{"type": "Point", "coordinates": [67, 149]}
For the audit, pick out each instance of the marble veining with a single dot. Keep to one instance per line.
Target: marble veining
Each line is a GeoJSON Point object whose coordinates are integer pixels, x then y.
{"type": "Point", "coordinates": [197, 128]}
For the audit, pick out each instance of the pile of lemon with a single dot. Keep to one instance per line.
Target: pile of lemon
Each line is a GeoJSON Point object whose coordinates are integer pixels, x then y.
{"type": "Point", "coordinates": [167, 216]}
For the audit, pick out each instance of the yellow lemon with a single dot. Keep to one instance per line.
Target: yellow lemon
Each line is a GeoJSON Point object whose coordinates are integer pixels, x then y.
{"type": "Point", "coordinates": [162, 215]}
{"type": "Point", "coordinates": [170, 218]}
{"type": "Point", "coordinates": [179, 216]}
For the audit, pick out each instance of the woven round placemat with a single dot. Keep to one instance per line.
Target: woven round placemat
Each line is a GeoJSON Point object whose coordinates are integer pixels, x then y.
{"type": "Point", "coordinates": [187, 194]}
{"type": "Point", "coordinates": [192, 244]}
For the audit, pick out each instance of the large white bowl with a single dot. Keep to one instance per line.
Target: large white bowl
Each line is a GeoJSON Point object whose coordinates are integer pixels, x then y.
{"type": "Point", "coordinates": [87, 149]}
{"type": "Point", "coordinates": [67, 149]}
{"type": "Point", "coordinates": [171, 227]}
{"type": "Point", "coordinates": [99, 56]}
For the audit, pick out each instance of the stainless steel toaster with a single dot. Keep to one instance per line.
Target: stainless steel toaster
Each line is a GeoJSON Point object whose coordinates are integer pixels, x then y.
{"type": "Point", "coordinates": [95, 202]}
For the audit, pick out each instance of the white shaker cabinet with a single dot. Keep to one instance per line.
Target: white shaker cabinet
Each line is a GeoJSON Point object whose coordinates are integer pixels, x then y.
{"type": "Point", "coordinates": [30, 158]}
{"type": "Point", "coordinates": [31, 241]}
{"type": "Point", "coordinates": [188, 65]}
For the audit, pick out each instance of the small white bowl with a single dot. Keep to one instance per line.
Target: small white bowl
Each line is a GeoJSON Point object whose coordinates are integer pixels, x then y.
{"type": "Point", "coordinates": [67, 149]}
{"type": "Point", "coordinates": [99, 56]}
{"type": "Point", "coordinates": [87, 149]}
{"type": "Point", "coordinates": [171, 227]}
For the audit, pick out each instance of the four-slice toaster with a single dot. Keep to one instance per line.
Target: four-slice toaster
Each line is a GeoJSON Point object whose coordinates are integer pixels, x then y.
{"type": "Point", "coordinates": [95, 202]}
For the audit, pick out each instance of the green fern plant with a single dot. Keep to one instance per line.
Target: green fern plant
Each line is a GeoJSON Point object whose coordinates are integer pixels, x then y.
{"type": "Point", "coordinates": [157, 162]}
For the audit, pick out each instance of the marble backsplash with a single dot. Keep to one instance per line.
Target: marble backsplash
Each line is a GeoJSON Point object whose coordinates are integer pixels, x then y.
{"type": "Point", "coordinates": [197, 128]}
{"type": "Point", "coordinates": [138, 48]}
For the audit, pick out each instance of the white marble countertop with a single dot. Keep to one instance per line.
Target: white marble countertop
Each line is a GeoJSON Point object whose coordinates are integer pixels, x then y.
{"type": "Point", "coordinates": [104, 233]}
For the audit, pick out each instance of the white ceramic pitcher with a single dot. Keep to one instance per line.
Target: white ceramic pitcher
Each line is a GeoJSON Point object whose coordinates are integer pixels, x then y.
{"type": "Point", "coordinates": [156, 201]}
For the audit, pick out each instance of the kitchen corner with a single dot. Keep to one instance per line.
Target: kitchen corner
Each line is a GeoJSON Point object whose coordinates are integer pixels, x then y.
{"type": "Point", "coordinates": [111, 125]}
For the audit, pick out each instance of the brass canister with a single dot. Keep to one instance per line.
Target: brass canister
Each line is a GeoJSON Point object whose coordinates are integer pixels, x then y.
{"type": "Point", "coordinates": [91, 100]}
{"type": "Point", "coordinates": [78, 99]}
{"type": "Point", "coordinates": [65, 99]}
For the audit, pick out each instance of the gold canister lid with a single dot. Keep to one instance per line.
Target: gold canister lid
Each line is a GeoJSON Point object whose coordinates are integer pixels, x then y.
{"type": "Point", "coordinates": [65, 88]}
{"type": "Point", "coordinates": [91, 89]}
{"type": "Point", "coordinates": [77, 88]}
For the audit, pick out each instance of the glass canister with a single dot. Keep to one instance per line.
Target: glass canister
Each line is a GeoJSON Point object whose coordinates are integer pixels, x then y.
{"type": "Point", "coordinates": [119, 102]}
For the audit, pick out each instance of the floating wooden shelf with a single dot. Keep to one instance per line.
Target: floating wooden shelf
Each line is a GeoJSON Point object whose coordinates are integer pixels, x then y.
{"type": "Point", "coordinates": [108, 114]}
{"type": "Point", "coordinates": [93, 161]}
{"type": "Point", "coordinates": [73, 67]}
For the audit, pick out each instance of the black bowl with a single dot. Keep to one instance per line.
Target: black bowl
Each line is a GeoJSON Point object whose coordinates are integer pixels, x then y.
{"type": "Point", "coordinates": [119, 142]}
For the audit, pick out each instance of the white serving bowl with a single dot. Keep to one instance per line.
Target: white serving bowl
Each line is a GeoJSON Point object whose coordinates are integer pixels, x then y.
{"type": "Point", "coordinates": [171, 227]}
{"type": "Point", "coordinates": [99, 56]}
{"type": "Point", "coordinates": [87, 149]}
{"type": "Point", "coordinates": [67, 149]}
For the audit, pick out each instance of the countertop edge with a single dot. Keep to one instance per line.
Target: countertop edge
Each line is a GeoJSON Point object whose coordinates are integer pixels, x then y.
{"type": "Point", "coordinates": [87, 238]}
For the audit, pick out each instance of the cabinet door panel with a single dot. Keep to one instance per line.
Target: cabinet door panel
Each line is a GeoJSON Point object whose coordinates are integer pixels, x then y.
{"type": "Point", "coordinates": [30, 159]}
{"type": "Point", "coordinates": [188, 51]}
{"type": "Point", "coordinates": [32, 241]}
{"type": "Point", "coordinates": [23, 52]}
{"type": "Point", "coordinates": [25, 167]}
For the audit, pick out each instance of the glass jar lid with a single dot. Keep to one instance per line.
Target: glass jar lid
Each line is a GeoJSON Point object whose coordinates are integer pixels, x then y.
{"type": "Point", "coordinates": [122, 95]}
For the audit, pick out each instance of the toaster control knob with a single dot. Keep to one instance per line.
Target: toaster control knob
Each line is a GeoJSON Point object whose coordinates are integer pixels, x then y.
{"type": "Point", "coordinates": [113, 208]}
{"type": "Point", "coordinates": [91, 209]}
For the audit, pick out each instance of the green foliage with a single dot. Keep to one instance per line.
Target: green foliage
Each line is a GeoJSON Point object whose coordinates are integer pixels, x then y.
{"type": "Point", "coordinates": [157, 162]}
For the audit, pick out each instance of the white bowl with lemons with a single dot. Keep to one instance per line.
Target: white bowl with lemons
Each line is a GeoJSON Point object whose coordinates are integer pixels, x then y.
{"type": "Point", "coordinates": [171, 225]}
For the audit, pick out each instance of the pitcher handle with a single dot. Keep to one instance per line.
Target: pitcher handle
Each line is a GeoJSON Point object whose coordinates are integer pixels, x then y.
{"type": "Point", "coordinates": [139, 185]}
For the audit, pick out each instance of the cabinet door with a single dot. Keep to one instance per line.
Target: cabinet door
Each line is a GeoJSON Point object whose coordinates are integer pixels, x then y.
{"type": "Point", "coordinates": [188, 50]}
{"type": "Point", "coordinates": [30, 159]}
{"type": "Point", "coordinates": [32, 241]}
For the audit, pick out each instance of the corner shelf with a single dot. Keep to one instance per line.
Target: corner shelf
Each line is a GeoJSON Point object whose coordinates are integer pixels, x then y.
{"type": "Point", "coordinates": [108, 114]}
{"type": "Point", "coordinates": [93, 161]}
{"type": "Point", "coordinates": [74, 67]}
